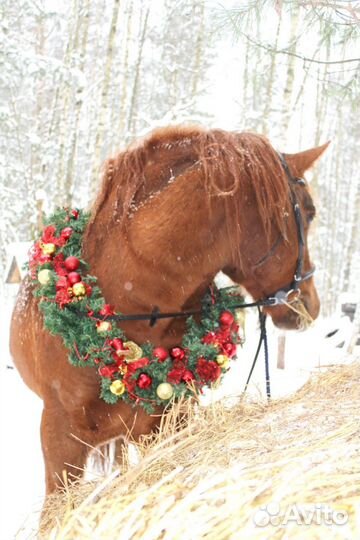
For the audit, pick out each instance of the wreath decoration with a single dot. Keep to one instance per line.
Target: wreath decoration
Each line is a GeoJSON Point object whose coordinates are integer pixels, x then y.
{"type": "Point", "coordinates": [74, 309]}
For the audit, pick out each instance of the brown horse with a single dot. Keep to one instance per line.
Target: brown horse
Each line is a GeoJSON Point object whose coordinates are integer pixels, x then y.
{"type": "Point", "coordinates": [173, 210]}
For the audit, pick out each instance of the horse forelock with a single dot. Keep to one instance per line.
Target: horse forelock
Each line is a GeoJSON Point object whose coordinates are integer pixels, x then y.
{"type": "Point", "coordinates": [230, 164]}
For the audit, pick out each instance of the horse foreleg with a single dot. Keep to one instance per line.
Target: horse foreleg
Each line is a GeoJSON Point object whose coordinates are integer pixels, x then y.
{"type": "Point", "coordinates": [64, 454]}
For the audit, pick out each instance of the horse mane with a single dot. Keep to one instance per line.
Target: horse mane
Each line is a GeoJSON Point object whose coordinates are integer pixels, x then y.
{"type": "Point", "coordinates": [231, 162]}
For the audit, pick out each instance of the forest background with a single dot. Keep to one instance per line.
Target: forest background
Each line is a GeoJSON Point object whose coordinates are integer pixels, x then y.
{"type": "Point", "coordinates": [80, 79]}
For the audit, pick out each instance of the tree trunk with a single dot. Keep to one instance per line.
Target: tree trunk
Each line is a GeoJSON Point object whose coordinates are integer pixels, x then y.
{"type": "Point", "coordinates": [64, 119]}
{"type": "Point", "coordinates": [69, 176]}
{"type": "Point", "coordinates": [198, 47]}
{"type": "Point", "coordinates": [125, 77]}
{"type": "Point", "coordinates": [270, 82]}
{"type": "Point", "coordinates": [99, 139]}
{"type": "Point", "coordinates": [287, 109]}
{"type": "Point", "coordinates": [135, 89]}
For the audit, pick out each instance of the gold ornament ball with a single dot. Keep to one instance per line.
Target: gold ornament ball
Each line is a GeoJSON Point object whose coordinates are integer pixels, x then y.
{"type": "Point", "coordinates": [133, 353]}
{"type": "Point", "coordinates": [79, 289]}
{"type": "Point", "coordinates": [49, 249]}
{"type": "Point", "coordinates": [240, 317]}
{"type": "Point", "coordinates": [165, 390]}
{"type": "Point", "coordinates": [223, 361]}
{"type": "Point", "coordinates": [44, 276]}
{"type": "Point", "coordinates": [103, 326]}
{"type": "Point", "coordinates": [117, 387]}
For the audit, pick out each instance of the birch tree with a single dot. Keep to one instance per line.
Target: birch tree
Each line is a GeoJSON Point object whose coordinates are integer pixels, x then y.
{"type": "Point", "coordinates": [103, 111]}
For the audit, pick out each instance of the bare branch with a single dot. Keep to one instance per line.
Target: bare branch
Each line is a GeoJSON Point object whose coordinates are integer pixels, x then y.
{"type": "Point", "coordinates": [304, 58]}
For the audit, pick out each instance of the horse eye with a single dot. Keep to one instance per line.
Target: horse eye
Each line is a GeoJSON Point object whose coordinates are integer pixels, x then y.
{"type": "Point", "coordinates": [310, 213]}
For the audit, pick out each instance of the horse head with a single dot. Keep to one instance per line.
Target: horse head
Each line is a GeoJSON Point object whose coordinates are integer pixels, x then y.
{"type": "Point", "coordinates": [274, 263]}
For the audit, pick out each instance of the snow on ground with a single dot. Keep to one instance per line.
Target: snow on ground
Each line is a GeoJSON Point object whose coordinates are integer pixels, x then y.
{"type": "Point", "coordinates": [21, 465]}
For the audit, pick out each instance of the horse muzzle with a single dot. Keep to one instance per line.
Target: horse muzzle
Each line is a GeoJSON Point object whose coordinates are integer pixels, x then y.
{"type": "Point", "coordinates": [295, 311]}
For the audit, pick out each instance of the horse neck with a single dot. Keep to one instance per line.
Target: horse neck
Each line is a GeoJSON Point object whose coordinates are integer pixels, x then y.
{"type": "Point", "coordinates": [165, 255]}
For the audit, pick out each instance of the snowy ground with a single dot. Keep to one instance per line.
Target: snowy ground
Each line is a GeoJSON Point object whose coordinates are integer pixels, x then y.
{"type": "Point", "coordinates": [21, 468]}
{"type": "Point", "coordinates": [22, 474]}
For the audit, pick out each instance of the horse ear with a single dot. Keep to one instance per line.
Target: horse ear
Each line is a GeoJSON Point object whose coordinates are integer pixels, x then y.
{"type": "Point", "coordinates": [302, 161]}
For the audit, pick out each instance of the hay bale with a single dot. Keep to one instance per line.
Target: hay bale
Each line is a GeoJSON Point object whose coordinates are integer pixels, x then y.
{"type": "Point", "coordinates": [288, 469]}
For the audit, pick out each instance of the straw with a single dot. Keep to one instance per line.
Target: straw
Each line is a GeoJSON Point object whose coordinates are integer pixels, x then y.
{"type": "Point", "coordinates": [285, 469]}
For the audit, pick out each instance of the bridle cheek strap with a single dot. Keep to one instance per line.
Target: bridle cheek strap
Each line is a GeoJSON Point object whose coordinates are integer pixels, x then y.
{"type": "Point", "coordinates": [281, 296]}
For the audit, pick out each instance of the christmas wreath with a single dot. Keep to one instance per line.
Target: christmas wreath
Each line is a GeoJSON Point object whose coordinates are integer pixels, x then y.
{"type": "Point", "coordinates": [74, 308]}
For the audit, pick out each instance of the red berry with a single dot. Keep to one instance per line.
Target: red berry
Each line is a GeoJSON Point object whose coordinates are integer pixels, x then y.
{"type": "Point", "coordinates": [62, 283]}
{"type": "Point", "coordinates": [226, 318]}
{"type": "Point", "coordinates": [188, 376]}
{"type": "Point", "coordinates": [144, 381]}
{"type": "Point", "coordinates": [44, 259]}
{"type": "Point", "coordinates": [177, 352]}
{"type": "Point", "coordinates": [210, 338]}
{"type": "Point", "coordinates": [74, 277]}
{"type": "Point", "coordinates": [66, 233]}
{"type": "Point", "coordinates": [160, 353]}
{"type": "Point", "coordinates": [71, 263]}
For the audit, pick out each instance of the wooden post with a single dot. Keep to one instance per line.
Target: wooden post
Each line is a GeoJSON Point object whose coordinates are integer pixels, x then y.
{"type": "Point", "coordinates": [281, 351]}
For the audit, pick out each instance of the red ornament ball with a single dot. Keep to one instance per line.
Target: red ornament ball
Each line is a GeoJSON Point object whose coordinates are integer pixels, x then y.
{"type": "Point", "coordinates": [74, 277]}
{"type": "Point", "coordinates": [160, 353]}
{"type": "Point", "coordinates": [66, 233]}
{"type": "Point", "coordinates": [71, 263]}
{"type": "Point", "coordinates": [226, 319]}
{"type": "Point", "coordinates": [88, 289]}
{"type": "Point", "coordinates": [107, 309]}
{"type": "Point", "coordinates": [144, 381]}
{"type": "Point", "coordinates": [229, 349]}
{"type": "Point", "coordinates": [177, 353]}
{"type": "Point", "coordinates": [188, 376]}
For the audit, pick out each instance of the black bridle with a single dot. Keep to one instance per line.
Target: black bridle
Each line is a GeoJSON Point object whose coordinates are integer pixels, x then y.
{"type": "Point", "coordinates": [279, 297]}
{"type": "Point", "coordinates": [282, 295]}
